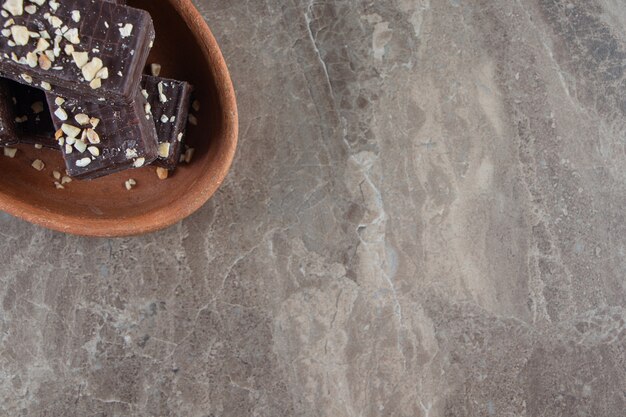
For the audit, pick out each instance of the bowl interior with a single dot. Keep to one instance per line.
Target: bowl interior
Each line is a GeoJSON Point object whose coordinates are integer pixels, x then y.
{"type": "Point", "coordinates": [103, 206]}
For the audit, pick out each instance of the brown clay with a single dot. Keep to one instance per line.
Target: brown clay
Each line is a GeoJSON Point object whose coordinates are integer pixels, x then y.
{"type": "Point", "coordinates": [188, 51]}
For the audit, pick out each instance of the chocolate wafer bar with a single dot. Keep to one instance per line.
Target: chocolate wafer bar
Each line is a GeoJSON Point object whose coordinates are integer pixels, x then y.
{"type": "Point", "coordinates": [8, 135]}
{"type": "Point", "coordinates": [100, 139]}
{"type": "Point", "coordinates": [83, 49]}
{"type": "Point", "coordinates": [169, 101]}
{"type": "Point", "coordinates": [33, 124]}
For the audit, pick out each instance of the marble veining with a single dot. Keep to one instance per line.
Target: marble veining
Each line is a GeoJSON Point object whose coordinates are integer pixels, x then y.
{"type": "Point", "coordinates": [425, 218]}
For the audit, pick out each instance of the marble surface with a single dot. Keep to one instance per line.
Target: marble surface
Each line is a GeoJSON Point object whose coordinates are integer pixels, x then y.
{"type": "Point", "coordinates": [425, 218]}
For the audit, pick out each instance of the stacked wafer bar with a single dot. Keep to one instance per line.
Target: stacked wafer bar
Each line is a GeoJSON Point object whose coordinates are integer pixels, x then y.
{"type": "Point", "coordinates": [82, 61]}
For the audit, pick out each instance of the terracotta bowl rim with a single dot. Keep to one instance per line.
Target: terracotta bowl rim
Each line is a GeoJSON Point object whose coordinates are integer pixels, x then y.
{"type": "Point", "coordinates": [203, 188]}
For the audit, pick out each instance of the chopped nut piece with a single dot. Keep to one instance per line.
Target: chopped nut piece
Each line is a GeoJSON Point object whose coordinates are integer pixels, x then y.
{"type": "Point", "coordinates": [131, 153]}
{"type": "Point", "coordinates": [83, 162]}
{"type": "Point", "coordinates": [31, 59]}
{"type": "Point", "coordinates": [69, 130]}
{"type": "Point", "coordinates": [46, 86]}
{"type": "Point", "coordinates": [66, 180]}
{"type": "Point", "coordinates": [139, 162]}
{"type": "Point", "coordinates": [193, 120]}
{"type": "Point", "coordinates": [72, 36]}
{"type": "Point", "coordinates": [15, 7]}
{"type": "Point", "coordinates": [20, 34]}
{"type": "Point", "coordinates": [162, 173]}
{"type": "Point", "coordinates": [94, 151]}
{"type": "Point", "coordinates": [10, 152]}
{"type": "Point", "coordinates": [56, 175]}
{"type": "Point", "coordinates": [42, 45]}
{"type": "Point", "coordinates": [38, 146]}
{"type": "Point", "coordinates": [59, 186]}
{"type": "Point", "coordinates": [81, 118]}
{"type": "Point", "coordinates": [126, 30]}
{"type": "Point", "coordinates": [103, 73]}
{"type": "Point", "coordinates": [38, 164]}
{"type": "Point", "coordinates": [95, 83]}
{"type": "Point", "coordinates": [68, 148]}
{"type": "Point", "coordinates": [164, 150]}
{"type": "Point", "coordinates": [189, 154]}
{"type": "Point", "coordinates": [180, 136]}
{"type": "Point", "coordinates": [44, 62]}
{"type": "Point", "coordinates": [144, 93]}
{"type": "Point", "coordinates": [80, 58]}
{"type": "Point", "coordinates": [80, 146]}
{"type": "Point", "coordinates": [195, 105]}
{"type": "Point", "coordinates": [59, 101]}
{"type": "Point", "coordinates": [155, 69]}
{"type": "Point", "coordinates": [92, 136]}
{"type": "Point", "coordinates": [61, 114]}
{"type": "Point", "coordinates": [91, 68]}
{"type": "Point", "coordinates": [164, 118]}
{"type": "Point", "coordinates": [76, 15]}
{"type": "Point", "coordinates": [162, 97]}
{"type": "Point", "coordinates": [30, 9]}
{"type": "Point", "coordinates": [94, 122]}
{"type": "Point", "coordinates": [68, 49]}
{"type": "Point", "coordinates": [58, 134]}
{"type": "Point", "coordinates": [27, 78]}
{"type": "Point", "coordinates": [55, 22]}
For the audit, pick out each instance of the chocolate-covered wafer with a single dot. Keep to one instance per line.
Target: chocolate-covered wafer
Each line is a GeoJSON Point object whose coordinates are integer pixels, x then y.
{"type": "Point", "coordinates": [100, 139]}
{"type": "Point", "coordinates": [169, 101]}
{"type": "Point", "coordinates": [8, 135]}
{"type": "Point", "coordinates": [33, 123]}
{"type": "Point", "coordinates": [83, 49]}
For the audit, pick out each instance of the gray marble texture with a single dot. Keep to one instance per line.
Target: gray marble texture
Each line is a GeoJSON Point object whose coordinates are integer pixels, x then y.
{"type": "Point", "coordinates": [425, 218]}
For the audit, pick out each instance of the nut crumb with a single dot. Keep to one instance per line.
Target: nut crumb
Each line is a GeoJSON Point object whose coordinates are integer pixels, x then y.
{"type": "Point", "coordinates": [38, 165]}
{"type": "Point", "coordinates": [162, 173]}
{"type": "Point", "coordinates": [155, 69]}
{"type": "Point", "coordinates": [10, 152]}
{"type": "Point", "coordinates": [130, 183]}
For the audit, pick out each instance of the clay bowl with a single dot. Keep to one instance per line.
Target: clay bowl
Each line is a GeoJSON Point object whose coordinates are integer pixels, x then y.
{"type": "Point", "coordinates": [187, 50]}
